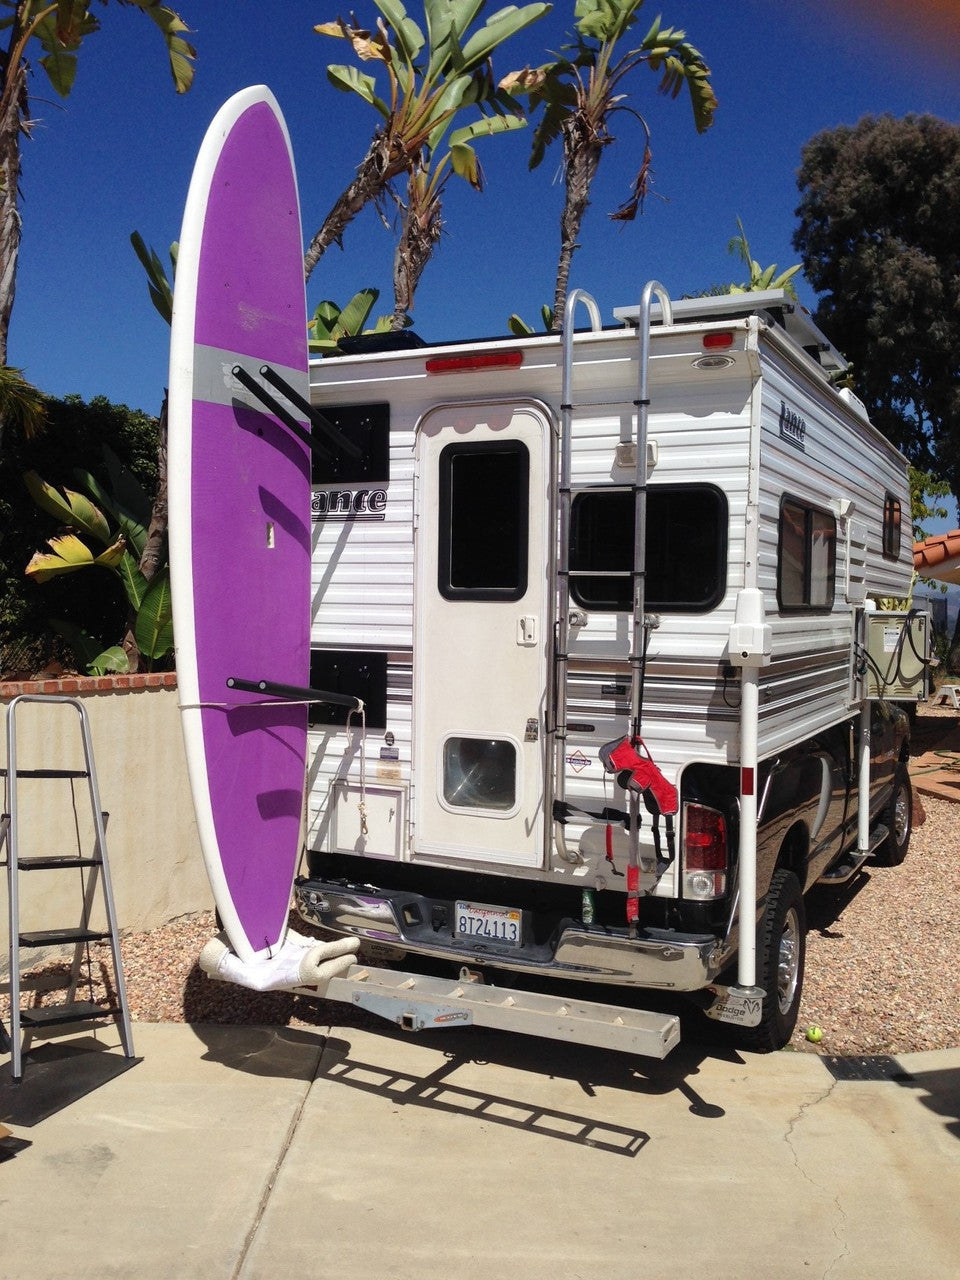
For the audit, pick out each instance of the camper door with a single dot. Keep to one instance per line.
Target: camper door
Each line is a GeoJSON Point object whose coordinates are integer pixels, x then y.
{"type": "Point", "coordinates": [481, 633]}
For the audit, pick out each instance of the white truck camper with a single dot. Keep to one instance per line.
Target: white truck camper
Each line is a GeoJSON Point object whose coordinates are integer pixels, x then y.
{"type": "Point", "coordinates": [606, 601]}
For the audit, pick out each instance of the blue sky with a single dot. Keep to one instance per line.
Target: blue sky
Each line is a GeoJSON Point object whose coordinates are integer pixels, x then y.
{"type": "Point", "coordinates": [117, 156]}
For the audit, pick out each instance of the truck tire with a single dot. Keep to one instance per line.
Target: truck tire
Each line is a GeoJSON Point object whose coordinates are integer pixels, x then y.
{"type": "Point", "coordinates": [781, 951]}
{"type": "Point", "coordinates": [898, 820]}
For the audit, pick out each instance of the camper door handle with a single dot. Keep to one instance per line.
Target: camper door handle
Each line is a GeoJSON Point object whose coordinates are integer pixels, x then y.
{"type": "Point", "coordinates": [526, 630]}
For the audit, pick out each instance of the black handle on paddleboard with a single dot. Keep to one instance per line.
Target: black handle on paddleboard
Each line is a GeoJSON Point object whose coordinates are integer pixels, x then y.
{"type": "Point", "coordinates": [293, 692]}
{"type": "Point", "coordinates": [277, 409]}
{"type": "Point", "coordinates": [319, 422]}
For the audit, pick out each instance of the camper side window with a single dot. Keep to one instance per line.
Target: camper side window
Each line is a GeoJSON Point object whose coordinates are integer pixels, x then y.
{"type": "Point", "coordinates": [891, 527]}
{"type": "Point", "coordinates": [483, 519]}
{"type": "Point", "coordinates": [807, 557]}
{"type": "Point", "coordinates": [686, 569]}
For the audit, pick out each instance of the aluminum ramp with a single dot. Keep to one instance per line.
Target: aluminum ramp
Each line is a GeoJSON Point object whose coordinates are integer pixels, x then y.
{"type": "Point", "coordinates": [416, 1002]}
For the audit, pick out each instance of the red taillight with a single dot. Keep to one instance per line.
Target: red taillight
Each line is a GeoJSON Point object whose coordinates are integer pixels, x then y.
{"type": "Point", "coordinates": [705, 842]}
{"type": "Point", "coordinates": [704, 852]}
{"type": "Point", "coordinates": [471, 363]}
{"type": "Point", "coordinates": [717, 341]}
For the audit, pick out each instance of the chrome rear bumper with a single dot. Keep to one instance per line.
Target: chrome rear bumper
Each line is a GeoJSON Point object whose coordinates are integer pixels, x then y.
{"type": "Point", "coordinates": [657, 958]}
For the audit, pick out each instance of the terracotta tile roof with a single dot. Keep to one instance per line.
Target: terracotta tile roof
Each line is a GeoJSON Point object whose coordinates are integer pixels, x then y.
{"type": "Point", "coordinates": [939, 557]}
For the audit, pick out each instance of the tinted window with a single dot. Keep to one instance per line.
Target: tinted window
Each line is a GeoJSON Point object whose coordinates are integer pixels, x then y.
{"type": "Point", "coordinates": [806, 558]}
{"type": "Point", "coordinates": [686, 546]}
{"type": "Point", "coordinates": [891, 527]}
{"type": "Point", "coordinates": [483, 521]}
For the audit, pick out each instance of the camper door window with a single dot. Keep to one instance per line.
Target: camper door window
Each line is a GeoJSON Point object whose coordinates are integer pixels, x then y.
{"type": "Point", "coordinates": [483, 520]}
{"type": "Point", "coordinates": [480, 773]}
{"type": "Point", "coordinates": [806, 558]}
{"type": "Point", "coordinates": [686, 570]}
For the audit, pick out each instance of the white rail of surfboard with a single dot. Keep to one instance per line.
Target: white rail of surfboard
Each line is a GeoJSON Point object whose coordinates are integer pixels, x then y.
{"type": "Point", "coordinates": [419, 1003]}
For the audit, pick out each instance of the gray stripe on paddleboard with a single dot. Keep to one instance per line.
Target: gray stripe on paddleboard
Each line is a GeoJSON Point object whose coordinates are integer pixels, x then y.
{"type": "Point", "coordinates": [214, 383]}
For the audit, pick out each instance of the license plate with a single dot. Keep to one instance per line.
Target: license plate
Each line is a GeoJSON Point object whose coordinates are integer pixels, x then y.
{"type": "Point", "coordinates": [490, 924]}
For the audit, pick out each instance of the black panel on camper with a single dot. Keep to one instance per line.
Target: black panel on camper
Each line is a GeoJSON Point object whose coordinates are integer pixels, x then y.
{"type": "Point", "coordinates": [367, 428]}
{"type": "Point", "coordinates": [356, 674]}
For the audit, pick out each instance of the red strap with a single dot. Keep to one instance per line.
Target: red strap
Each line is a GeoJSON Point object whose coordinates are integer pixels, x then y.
{"type": "Point", "coordinates": [633, 894]}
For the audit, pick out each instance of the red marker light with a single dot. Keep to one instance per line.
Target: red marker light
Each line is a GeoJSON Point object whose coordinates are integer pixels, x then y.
{"type": "Point", "coordinates": [717, 341]}
{"type": "Point", "coordinates": [471, 364]}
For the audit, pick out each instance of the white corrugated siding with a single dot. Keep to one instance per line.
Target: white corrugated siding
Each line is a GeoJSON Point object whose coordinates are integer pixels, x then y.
{"type": "Point", "coordinates": [701, 423]}
{"type": "Point", "coordinates": [807, 685]}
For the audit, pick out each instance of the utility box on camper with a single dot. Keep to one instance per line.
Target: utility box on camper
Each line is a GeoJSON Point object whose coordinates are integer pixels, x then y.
{"type": "Point", "coordinates": [601, 596]}
{"type": "Point", "coordinates": [898, 655]}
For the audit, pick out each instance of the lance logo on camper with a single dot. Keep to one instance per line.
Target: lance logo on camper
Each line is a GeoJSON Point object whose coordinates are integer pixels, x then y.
{"type": "Point", "coordinates": [349, 504]}
{"type": "Point", "coordinates": [793, 428]}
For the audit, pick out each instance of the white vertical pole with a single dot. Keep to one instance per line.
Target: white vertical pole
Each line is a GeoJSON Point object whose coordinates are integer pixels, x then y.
{"type": "Point", "coordinates": [863, 780]}
{"type": "Point", "coordinates": [749, 716]}
{"type": "Point", "coordinates": [13, 873]}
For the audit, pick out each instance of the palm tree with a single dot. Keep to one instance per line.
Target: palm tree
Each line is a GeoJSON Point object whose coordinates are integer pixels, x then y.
{"type": "Point", "coordinates": [422, 212]}
{"type": "Point", "coordinates": [21, 404]}
{"type": "Point", "coordinates": [154, 552]}
{"type": "Point", "coordinates": [59, 29]}
{"type": "Point", "coordinates": [579, 95]}
{"type": "Point", "coordinates": [430, 80]}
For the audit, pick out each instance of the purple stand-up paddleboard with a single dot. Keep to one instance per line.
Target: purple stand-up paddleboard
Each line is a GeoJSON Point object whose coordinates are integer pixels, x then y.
{"type": "Point", "coordinates": [239, 496]}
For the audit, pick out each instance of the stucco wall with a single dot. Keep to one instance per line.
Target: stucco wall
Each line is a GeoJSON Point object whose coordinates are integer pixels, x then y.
{"type": "Point", "coordinates": [152, 846]}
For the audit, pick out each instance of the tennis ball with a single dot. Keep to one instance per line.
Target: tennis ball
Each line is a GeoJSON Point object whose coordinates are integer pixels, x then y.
{"type": "Point", "coordinates": [814, 1035]}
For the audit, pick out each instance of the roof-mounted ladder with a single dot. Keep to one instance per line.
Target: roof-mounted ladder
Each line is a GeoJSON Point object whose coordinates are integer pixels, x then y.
{"type": "Point", "coordinates": [639, 621]}
{"type": "Point", "coordinates": [563, 557]}
{"type": "Point", "coordinates": [94, 872]}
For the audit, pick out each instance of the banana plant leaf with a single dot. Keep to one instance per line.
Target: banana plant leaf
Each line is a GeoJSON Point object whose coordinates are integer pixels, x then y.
{"type": "Point", "coordinates": [126, 501]}
{"type": "Point", "coordinates": [355, 314]}
{"type": "Point", "coordinates": [153, 630]}
{"type": "Point", "coordinates": [350, 80]}
{"type": "Point", "coordinates": [69, 555]}
{"type": "Point", "coordinates": [410, 39]}
{"type": "Point", "coordinates": [112, 661]}
{"type": "Point", "coordinates": [134, 583]}
{"type": "Point", "coordinates": [498, 28]}
{"type": "Point", "coordinates": [69, 508]}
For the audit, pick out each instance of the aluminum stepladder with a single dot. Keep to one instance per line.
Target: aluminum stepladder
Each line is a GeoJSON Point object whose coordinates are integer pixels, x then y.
{"type": "Point", "coordinates": [94, 871]}
{"type": "Point", "coordinates": [639, 622]}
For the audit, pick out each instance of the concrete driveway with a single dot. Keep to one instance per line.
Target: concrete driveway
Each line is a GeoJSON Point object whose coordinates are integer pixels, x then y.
{"type": "Point", "coordinates": [239, 1152]}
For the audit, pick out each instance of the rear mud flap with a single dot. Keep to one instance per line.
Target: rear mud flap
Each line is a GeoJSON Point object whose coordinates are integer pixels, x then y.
{"type": "Point", "coordinates": [738, 1007]}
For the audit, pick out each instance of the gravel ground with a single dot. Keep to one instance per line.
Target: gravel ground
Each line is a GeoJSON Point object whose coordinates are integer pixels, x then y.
{"type": "Point", "coordinates": [882, 951]}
